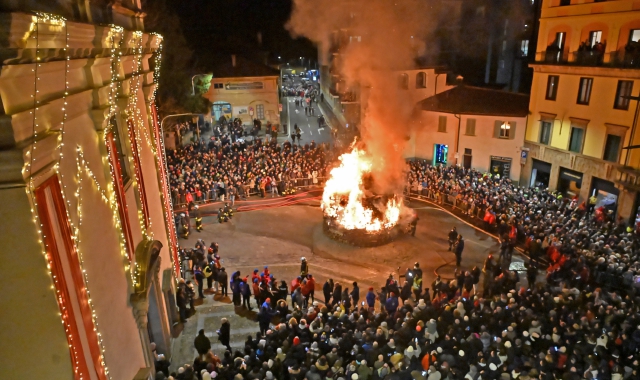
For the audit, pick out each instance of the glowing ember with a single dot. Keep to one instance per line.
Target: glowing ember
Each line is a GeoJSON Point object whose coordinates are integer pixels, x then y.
{"type": "Point", "coordinates": [347, 200]}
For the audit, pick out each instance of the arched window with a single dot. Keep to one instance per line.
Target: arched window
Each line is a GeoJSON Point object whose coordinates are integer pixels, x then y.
{"type": "Point", "coordinates": [421, 80]}
{"type": "Point", "coordinates": [403, 81]}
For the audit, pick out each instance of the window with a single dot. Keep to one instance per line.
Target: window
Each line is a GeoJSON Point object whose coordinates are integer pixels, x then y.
{"type": "Point", "coordinates": [524, 47]}
{"type": "Point", "coordinates": [552, 87]}
{"type": "Point", "coordinates": [545, 132]}
{"type": "Point", "coordinates": [471, 127]}
{"type": "Point", "coordinates": [442, 124]}
{"type": "Point", "coordinates": [612, 148]}
{"type": "Point", "coordinates": [260, 111]}
{"type": "Point", "coordinates": [624, 89]}
{"type": "Point", "coordinates": [559, 41]}
{"type": "Point", "coordinates": [565, 2]}
{"type": "Point", "coordinates": [594, 37]}
{"type": "Point", "coordinates": [505, 130]}
{"type": "Point", "coordinates": [120, 152]}
{"type": "Point", "coordinates": [634, 35]}
{"type": "Point", "coordinates": [467, 151]}
{"type": "Point", "coordinates": [218, 85]}
{"type": "Point", "coordinates": [421, 80]}
{"type": "Point", "coordinates": [403, 81]}
{"type": "Point", "coordinates": [576, 139]}
{"type": "Point", "coordinates": [584, 91]}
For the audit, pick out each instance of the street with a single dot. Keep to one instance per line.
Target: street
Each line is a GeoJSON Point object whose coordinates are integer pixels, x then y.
{"type": "Point", "coordinates": [308, 124]}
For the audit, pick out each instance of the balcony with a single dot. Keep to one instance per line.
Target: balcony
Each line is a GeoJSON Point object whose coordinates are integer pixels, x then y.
{"type": "Point", "coordinates": [627, 177]}
{"type": "Point", "coordinates": [629, 57]}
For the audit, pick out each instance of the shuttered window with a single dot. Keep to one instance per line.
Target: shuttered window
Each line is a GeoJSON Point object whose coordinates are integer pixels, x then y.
{"type": "Point", "coordinates": [442, 124]}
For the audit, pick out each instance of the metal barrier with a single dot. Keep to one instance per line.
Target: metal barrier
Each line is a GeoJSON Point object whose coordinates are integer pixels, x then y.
{"type": "Point", "coordinates": [246, 191]}
{"type": "Point", "coordinates": [451, 201]}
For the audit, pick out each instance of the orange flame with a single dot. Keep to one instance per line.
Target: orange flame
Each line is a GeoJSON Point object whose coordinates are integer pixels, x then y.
{"type": "Point", "coordinates": [344, 194]}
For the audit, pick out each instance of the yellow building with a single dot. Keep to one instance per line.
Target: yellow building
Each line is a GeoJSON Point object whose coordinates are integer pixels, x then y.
{"type": "Point", "coordinates": [587, 63]}
{"type": "Point", "coordinates": [241, 88]}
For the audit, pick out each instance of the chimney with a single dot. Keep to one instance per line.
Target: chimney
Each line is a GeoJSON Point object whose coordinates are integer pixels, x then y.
{"type": "Point", "coordinates": [259, 38]}
{"type": "Point", "coordinates": [233, 60]}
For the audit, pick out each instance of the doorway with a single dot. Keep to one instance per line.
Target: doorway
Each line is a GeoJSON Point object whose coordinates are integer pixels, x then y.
{"type": "Point", "coordinates": [605, 192]}
{"type": "Point", "coordinates": [501, 166]}
{"type": "Point", "coordinates": [154, 320]}
{"type": "Point", "coordinates": [466, 159]}
{"type": "Point", "coordinates": [540, 174]}
{"type": "Point", "coordinates": [569, 182]}
{"type": "Point", "coordinates": [220, 109]}
{"type": "Point", "coordinates": [440, 153]}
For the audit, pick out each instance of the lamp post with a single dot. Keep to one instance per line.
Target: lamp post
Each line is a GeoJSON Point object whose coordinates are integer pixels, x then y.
{"type": "Point", "coordinates": [182, 114]}
{"type": "Point", "coordinates": [633, 129]}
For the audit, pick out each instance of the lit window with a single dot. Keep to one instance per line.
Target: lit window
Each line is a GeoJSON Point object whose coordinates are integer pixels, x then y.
{"type": "Point", "coordinates": [524, 47]}
{"type": "Point", "coordinates": [505, 130]}
{"type": "Point", "coordinates": [584, 91]}
{"type": "Point", "coordinates": [552, 87]}
{"type": "Point", "coordinates": [634, 35]}
{"type": "Point", "coordinates": [595, 37]}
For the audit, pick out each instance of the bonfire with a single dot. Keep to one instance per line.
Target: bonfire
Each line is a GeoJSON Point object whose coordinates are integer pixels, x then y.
{"type": "Point", "coordinates": [348, 201]}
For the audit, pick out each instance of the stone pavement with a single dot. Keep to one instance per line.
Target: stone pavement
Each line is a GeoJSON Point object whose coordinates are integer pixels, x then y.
{"type": "Point", "coordinates": [279, 237]}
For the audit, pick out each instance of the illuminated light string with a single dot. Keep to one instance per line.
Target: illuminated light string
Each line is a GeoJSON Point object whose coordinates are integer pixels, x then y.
{"type": "Point", "coordinates": [34, 30]}
{"type": "Point", "coordinates": [81, 165]}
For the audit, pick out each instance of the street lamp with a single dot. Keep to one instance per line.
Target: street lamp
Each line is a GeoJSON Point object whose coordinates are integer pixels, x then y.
{"type": "Point", "coordinates": [633, 128]}
{"type": "Point", "coordinates": [182, 114]}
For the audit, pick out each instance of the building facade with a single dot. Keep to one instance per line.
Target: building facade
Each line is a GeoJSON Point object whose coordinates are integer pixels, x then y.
{"type": "Point", "coordinates": [472, 127]}
{"type": "Point", "coordinates": [244, 89]}
{"type": "Point", "coordinates": [441, 51]}
{"type": "Point", "coordinates": [88, 248]}
{"type": "Point", "coordinates": [582, 120]}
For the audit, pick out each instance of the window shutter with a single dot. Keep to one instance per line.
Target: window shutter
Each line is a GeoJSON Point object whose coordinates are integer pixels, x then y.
{"type": "Point", "coordinates": [496, 129]}
{"type": "Point", "coordinates": [471, 127]}
{"type": "Point", "coordinates": [442, 124]}
{"type": "Point", "coordinates": [512, 132]}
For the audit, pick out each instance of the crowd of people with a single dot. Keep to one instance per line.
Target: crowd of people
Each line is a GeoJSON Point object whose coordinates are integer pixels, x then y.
{"type": "Point", "coordinates": [582, 321]}
{"type": "Point", "coordinates": [227, 169]}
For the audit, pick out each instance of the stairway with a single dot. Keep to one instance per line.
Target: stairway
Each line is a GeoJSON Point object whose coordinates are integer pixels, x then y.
{"type": "Point", "coordinates": [207, 317]}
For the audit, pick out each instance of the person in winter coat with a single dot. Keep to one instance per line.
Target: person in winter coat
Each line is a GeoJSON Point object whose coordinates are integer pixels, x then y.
{"type": "Point", "coordinates": [245, 290]}
{"type": "Point", "coordinates": [264, 316]}
{"type": "Point", "coordinates": [337, 294]}
{"type": "Point", "coordinates": [223, 280]}
{"type": "Point", "coordinates": [202, 343]}
{"type": "Point", "coordinates": [458, 250]}
{"type": "Point", "coordinates": [346, 300]}
{"type": "Point", "coordinates": [224, 333]}
{"type": "Point", "coordinates": [371, 298]}
{"type": "Point", "coordinates": [392, 304]}
{"type": "Point", "coordinates": [327, 290]}
{"type": "Point", "coordinates": [355, 294]}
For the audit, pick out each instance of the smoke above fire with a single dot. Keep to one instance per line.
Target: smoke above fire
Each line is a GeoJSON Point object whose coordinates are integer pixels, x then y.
{"type": "Point", "coordinates": [379, 38]}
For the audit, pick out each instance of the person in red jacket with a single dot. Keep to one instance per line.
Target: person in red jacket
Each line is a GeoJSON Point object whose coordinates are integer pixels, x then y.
{"type": "Point", "coordinates": [308, 289]}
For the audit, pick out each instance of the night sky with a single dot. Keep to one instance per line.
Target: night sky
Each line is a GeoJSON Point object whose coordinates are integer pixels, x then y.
{"type": "Point", "coordinates": [214, 28]}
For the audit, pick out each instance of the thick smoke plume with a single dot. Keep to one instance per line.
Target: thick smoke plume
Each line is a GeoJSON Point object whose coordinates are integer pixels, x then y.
{"type": "Point", "coordinates": [391, 35]}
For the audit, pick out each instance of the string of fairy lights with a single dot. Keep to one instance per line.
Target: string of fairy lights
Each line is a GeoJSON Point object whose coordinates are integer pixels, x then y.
{"type": "Point", "coordinates": [37, 20]}
{"type": "Point", "coordinates": [161, 158]}
{"type": "Point", "coordinates": [83, 168]}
